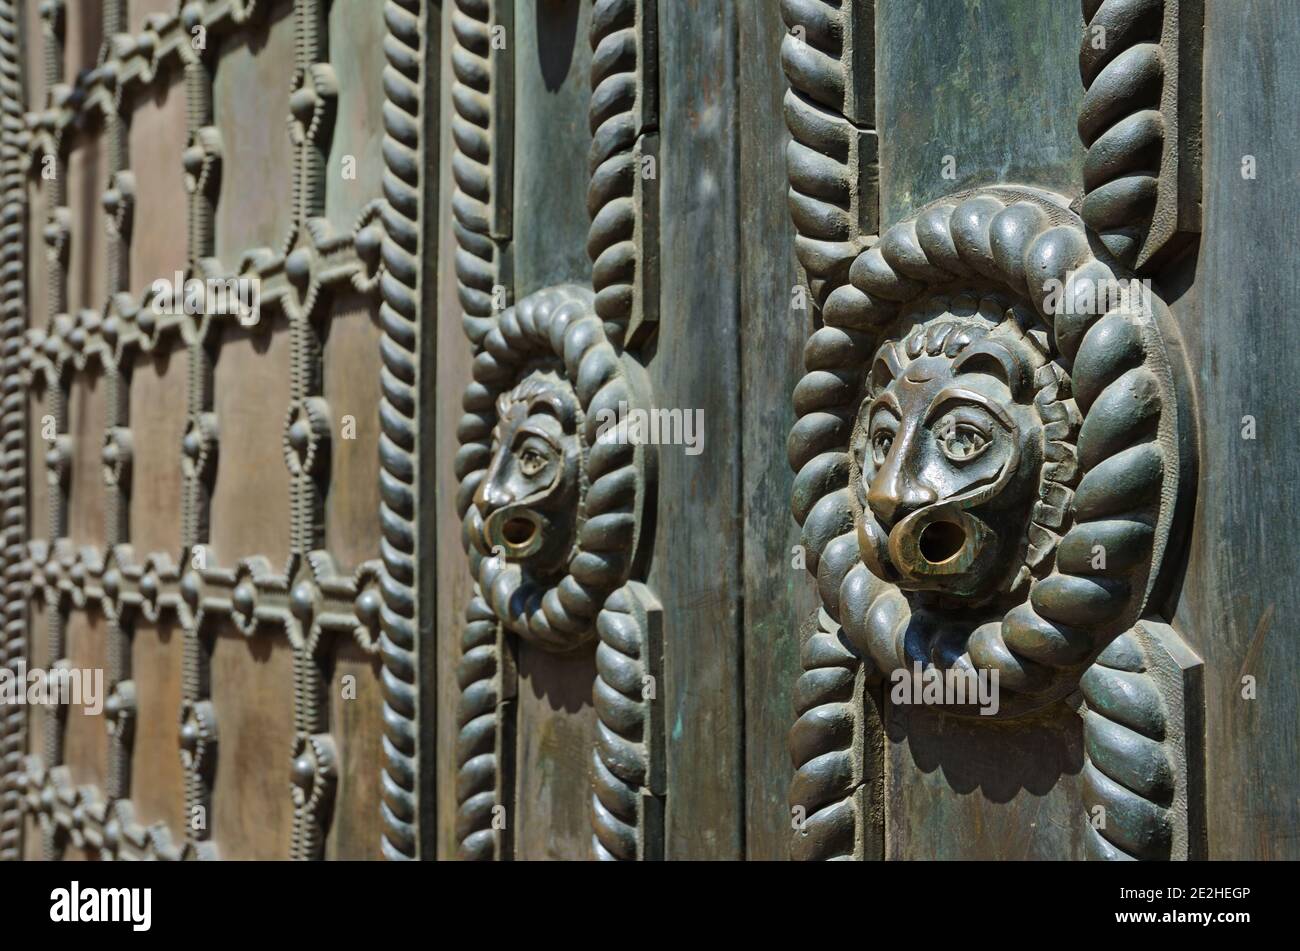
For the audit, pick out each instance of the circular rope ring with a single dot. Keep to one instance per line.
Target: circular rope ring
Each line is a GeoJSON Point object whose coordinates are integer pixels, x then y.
{"type": "Point", "coordinates": [1129, 454]}
{"type": "Point", "coordinates": [557, 329]}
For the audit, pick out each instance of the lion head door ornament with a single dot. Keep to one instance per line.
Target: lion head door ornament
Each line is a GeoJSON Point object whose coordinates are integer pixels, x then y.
{"type": "Point", "coordinates": [992, 458]}
{"type": "Point", "coordinates": [1003, 488]}
{"type": "Point", "coordinates": [553, 514]}
{"type": "Point", "coordinates": [946, 456]}
{"type": "Point", "coordinates": [554, 490]}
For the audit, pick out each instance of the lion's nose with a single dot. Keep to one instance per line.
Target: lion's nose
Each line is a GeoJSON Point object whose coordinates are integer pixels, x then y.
{"type": "Point", "coordinates": [895, 493]}
{"type": "Point", "coordinates": [491, 497]}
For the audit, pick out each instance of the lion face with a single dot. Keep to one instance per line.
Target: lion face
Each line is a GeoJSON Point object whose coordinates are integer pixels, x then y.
{"type": "Point", "coordinates": [948, 451]}
{"type": "Point", "coordinates": [529, 497]}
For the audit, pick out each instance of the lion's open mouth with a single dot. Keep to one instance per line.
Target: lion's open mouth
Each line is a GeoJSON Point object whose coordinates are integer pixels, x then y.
{"type": "Point", "coordinates": [941, 542]}
{"type": "Point", "coordinates": [518, 532]}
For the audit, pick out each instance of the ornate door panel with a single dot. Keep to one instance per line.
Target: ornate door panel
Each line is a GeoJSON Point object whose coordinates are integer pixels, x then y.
{"type": "Point", "coordinates": [647, 429]}
{"type": "Point", "coordinates": [192, 426]}
{"type": "Point", "coordinates": [999, 448]}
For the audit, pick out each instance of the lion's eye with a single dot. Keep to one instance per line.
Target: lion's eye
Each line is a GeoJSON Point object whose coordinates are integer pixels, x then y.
{"type": "Point", "coordinates": [961, 442]}
{"type": "Point", "coordinates": [531, 462]}
{"type": "Point", "coordinates": [881, 442]}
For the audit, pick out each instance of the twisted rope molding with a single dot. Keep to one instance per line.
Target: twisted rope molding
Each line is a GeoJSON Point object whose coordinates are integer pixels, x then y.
{"type": "Point", "coordinates": [1144, 736]}
{"type": "Point", "coordinates": [627, 782]}
{"type": "Point", "coordinates": [13, 487]}
{"type": "Point", "coordinates": [626, 763]}
{"type": "Point", "coordinates": [1127, 457]}
{"type": "Point", "coordinates": [479, 256]}
{"type": "Point", "coordinates": [620, 199]}
{"type": "Point", "coordinates": [399, 314]}
{"type": "Point", "coordinates": [1128, 771]}
{"type": "Point", "coordinates": [826, 747]}
{"type": "Point", "coordinates": [830, 161]}
{"type": "Point", "coordinates": [485, 743]}
{"type": "Point", "coordinates": [554, 324]}
{"type": "Point", "coordinates": [1139, 62]}
{"type": "Point", "coordinates": [557, 325]}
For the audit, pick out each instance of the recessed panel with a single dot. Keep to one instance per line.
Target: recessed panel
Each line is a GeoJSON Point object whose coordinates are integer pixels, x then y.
{"type": "Point", "coordinates": [252, 693]}
{"type": "Point", "coordinates": [158, 417]}
{"type": "Point", "coordinates": [85, 734]}
{"type": "Point", "coordinates": [357, 725]}
{"type": "Point", "coordinates": [251, 103]}
{"type": "Point", "coordinates": [38, 658]}
{"type": "Point", "coordinates": [84, 32]}
{"type": "Point", "coordinates": [87, 408]}
{"type": "Point", "coordinates": [38, 297]}
{"type": "Point", "coordinates": [552, 93]}
{"type": "Point", "coordinates": [972, 92]}
{"type": "Point", "coordinates": [157, 778]}
{"type": "Point", "coordinates": [158, 137]}
{"type": "Point", "coordinates": [250, 503]}
{"type": "Point", "coordinates": [556, 730]}
{"type": "Point", "coordinates": [87, 261]}
{"type": "Point", "coordinates": [356, 161]}
{"type": "Point", "coordinates": [352, 367]}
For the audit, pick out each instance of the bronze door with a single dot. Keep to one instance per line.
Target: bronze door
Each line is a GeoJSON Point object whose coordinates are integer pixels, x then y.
{"type": "Point", "coordinates": [647, 429]}
{"type": "Point", "coordinates": [192, 427]}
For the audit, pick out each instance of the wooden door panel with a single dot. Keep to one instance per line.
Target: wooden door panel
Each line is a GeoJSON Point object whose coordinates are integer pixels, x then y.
{"type": "Point", "coordinates": [257, 157]}
{"type": "Point", "coordinates": [370, 565]}
{"type": "Point", "coordinates": [158, 422]}
{"type": "Point", "coordinates": [200, 487]}
{"type": "Point", "coordinates": [158, 133]}
{"type": "Point", "coordinates": [249, 681]}
{"type": "Point", "coordinates": [357, 720]}
{"type": "Point", "coordinates": [250, 493]}
{"type": "Point", "coordinates": [157, 776]}
{"type": "Point", "coordinates": [87, 416]}
{"type": "Point", "coordinates": [350, 368]}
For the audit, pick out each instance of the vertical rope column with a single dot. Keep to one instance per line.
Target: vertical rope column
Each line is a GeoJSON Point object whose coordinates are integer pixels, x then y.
{"type": "Point", "coordinates": [198, 727]}
{"type": "Point", "coordinates": [13, 424]}
{"type": "Point", "coordinates": [831, 159]}
{"type": "Point", "coordinates": [621, 200]}
{"type": "Point", "coordinates": [485, 749]}
{"type": "Point", "coordinates": [399, 315]}
{"type": "Point", "coordinates": [480, 247]}
{"type": "Point", "coordinates": [826, 748]}
{"type": "Point", "coordinates": [117, 207]}
{"type": "Point", "coordinates": [484, 746]}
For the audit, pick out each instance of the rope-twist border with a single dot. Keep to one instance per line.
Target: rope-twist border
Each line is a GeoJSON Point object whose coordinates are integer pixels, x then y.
{"type": "Point", "coordinates": [626, 761]}
{"type": "Point", "coordinates": [1120, 121]}
{"type": "Point", "coordinates": [13, 419]}
{"type": "Point", "coordinates": [826, 199]}
{"type": "Point", "coordinates": [826, 747]}
{"type": "Point", "coordinates": [1126, 452]}
{"type": "Point", "coordinates": [399, 315]}
{"type": "Point", "coordinates": [615, 194]}
{"type": "Point", "coordinates": [1128, 772]}
{"type": "Point", "coordinates": [473, 126]}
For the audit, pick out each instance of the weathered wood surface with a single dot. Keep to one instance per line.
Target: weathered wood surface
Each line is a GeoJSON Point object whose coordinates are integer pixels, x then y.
{"type": "Point", "coordinates": [1239, 599]}
{"type": "Point", "coordinates": [995, 85]}
{"type": "Point", "coordinates": [778, 593]}
{"type": "Point", "coordinates": [697, 563]}
{"type": "Point", "coordinates": [992, 83]}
